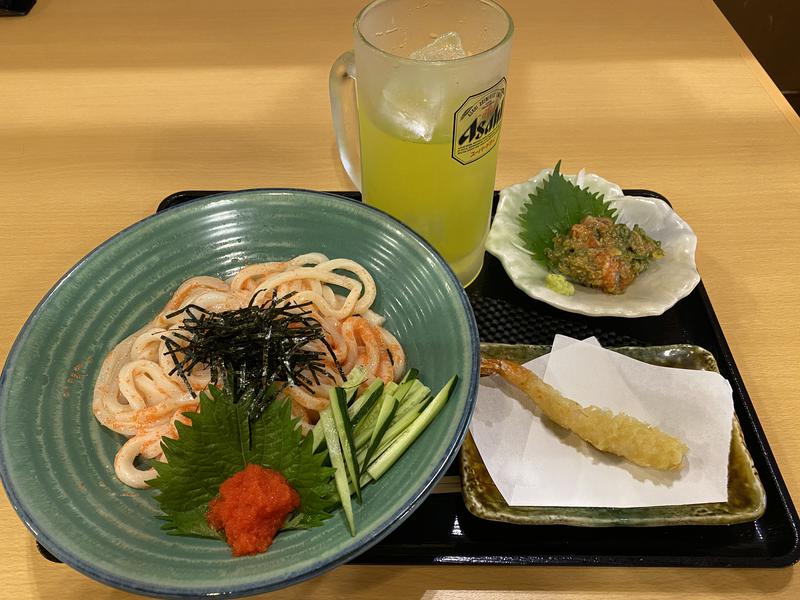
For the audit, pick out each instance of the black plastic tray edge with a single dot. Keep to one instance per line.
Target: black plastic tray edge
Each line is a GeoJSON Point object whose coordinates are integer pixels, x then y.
{"type": "Point", "coordinates": [16, 8]}
{"type": "Point", "coordinates": [760, 437]}
{"type": "Point", "coordinates": [188, 195]}
{"type": "Point", "coordinates": [787, 559]}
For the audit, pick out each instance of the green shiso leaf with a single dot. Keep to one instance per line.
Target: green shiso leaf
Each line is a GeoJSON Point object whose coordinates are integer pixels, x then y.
{"type": "Point", "coordinates": [553, 209]}
{"type": "Point", "coordinates": [221, 442]}
{"type": "Point", "coordinates": [190, 523]}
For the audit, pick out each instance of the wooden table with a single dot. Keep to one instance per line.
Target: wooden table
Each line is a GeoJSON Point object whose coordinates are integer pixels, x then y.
{"type": "Point", "coordinates": [105, 108]}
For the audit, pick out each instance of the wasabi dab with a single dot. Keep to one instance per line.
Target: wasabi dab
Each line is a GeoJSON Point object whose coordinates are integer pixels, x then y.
{"type": "Point", "coordinates": [559, 284]}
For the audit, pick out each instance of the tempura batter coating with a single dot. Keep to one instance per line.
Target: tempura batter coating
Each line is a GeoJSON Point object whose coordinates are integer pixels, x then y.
{"type": "Point", "coordinates": [618, 434]}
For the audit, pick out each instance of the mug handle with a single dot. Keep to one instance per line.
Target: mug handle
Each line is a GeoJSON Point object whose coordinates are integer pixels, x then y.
{"type": "Point", "coordinates": [342, 89]}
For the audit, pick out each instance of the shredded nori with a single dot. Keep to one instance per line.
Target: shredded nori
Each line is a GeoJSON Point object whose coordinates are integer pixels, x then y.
{"type": "Point", "coordinates": [259, 348]}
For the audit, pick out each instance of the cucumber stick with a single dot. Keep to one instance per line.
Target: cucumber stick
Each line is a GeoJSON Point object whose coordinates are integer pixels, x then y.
{"type": "Point", "coordinates": [359, 409]}
{"type": "Point", "coordinates": [317, 437]}
{"type": "Point", "coordinates": [405, 388]}
{"type": "Point", "coordinates": [364, 432]}
{"type": "Point", "coordinates": [344, 429]}
{"type": "Point", "coordinates": [413, 400]}
{"type": "Point", "coordinates": [410, 374]}
{"type": "Point", "coordinates": [355, 379]}
{"type": "Point", "coordinates": [340, 476]}
{"type": "Point", "coordinates": [388, 408]}
{"type": "Point", "coordinates": [365, 436]}
{"type": "Point", "coordinates": [396, 428]}
{"type": "Point", "coordinates": [407, 437]}
{"type": "Point", "coordinates": [367, 423]}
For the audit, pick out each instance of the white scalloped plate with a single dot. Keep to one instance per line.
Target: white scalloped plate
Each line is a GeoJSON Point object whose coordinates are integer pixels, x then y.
{"type": "Point", "coordinates": [664, 283]}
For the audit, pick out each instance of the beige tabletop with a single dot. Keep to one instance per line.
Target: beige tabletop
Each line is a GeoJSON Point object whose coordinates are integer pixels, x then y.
{"type": "Point", "coordinates": [107, 107]}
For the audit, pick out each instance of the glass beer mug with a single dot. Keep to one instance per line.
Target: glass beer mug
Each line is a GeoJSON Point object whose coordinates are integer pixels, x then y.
{"type": "Point", "coordinates": [419, 136]}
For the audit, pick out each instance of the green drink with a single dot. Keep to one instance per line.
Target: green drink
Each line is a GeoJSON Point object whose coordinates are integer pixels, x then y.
{"type": "Point", "coordinates": [428, 119]}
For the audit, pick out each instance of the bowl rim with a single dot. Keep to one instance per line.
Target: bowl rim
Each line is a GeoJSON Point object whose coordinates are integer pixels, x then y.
{"type": "Point", "coordinates": [390, 524]}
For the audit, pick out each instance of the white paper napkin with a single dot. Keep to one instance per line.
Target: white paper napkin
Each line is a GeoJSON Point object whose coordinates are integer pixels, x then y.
{"type": "Point", "coordinates": [534, 462]}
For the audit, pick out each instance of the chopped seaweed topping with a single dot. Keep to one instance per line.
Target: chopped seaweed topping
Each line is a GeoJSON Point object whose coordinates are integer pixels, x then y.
{"type": "Point", "coordinates": [260, 347]}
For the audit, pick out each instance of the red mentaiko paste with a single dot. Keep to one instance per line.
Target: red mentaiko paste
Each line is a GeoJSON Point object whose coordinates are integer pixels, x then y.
{"type": "Point", "coordinates": [251, 507]}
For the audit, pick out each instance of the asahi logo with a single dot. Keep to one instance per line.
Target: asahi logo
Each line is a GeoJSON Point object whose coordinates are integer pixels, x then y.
{"type": "Point", "coordinates": [476, 124]}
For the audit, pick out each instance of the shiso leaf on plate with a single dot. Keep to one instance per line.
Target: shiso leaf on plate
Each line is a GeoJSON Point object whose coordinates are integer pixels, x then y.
{"type": "Point", "coordinates": [654, 291]}
{"type": "Point", "coordinates": [553, 209]}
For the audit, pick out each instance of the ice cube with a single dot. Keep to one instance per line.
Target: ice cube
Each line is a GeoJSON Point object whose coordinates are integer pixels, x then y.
{"type": "Point", "coordinates": [413, 111]}
{"type": "Point", "coordinates": [447, 46]}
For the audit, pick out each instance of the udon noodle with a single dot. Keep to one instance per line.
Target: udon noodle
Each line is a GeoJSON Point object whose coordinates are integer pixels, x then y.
{"type": "Point", "coordinates": [139, 395]}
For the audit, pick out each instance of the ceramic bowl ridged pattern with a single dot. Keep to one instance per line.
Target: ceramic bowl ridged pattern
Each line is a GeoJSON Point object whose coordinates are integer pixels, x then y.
{"type": "Point", "coordinates": [666, 280]}
{"type": "Point", "coordinates": [56, 459]}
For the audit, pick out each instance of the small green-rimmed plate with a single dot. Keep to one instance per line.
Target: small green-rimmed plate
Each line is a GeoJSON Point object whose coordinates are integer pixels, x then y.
{"type": "Point", "coordinates": [746, 497]}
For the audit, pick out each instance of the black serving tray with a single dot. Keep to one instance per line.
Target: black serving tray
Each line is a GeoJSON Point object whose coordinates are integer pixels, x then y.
{"type": "Point", "coordinates": [443, 531]}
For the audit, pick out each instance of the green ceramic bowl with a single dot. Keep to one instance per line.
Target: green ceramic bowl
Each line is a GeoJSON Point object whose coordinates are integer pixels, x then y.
{"type": "Point", "coordinates": [56, 459]}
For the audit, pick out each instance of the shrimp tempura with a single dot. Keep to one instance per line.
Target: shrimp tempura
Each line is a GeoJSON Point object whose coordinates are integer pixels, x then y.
{"type": "Point", "coordinates": [619, 434]}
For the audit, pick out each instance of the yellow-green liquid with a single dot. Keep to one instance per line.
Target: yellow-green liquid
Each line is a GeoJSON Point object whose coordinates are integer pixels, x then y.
{"type": "Point", "coordinates": [447, 203]}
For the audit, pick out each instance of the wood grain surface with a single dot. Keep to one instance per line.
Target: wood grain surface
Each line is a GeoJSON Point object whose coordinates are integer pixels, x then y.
{"type": "Point", "coordinates": [107, 107]}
